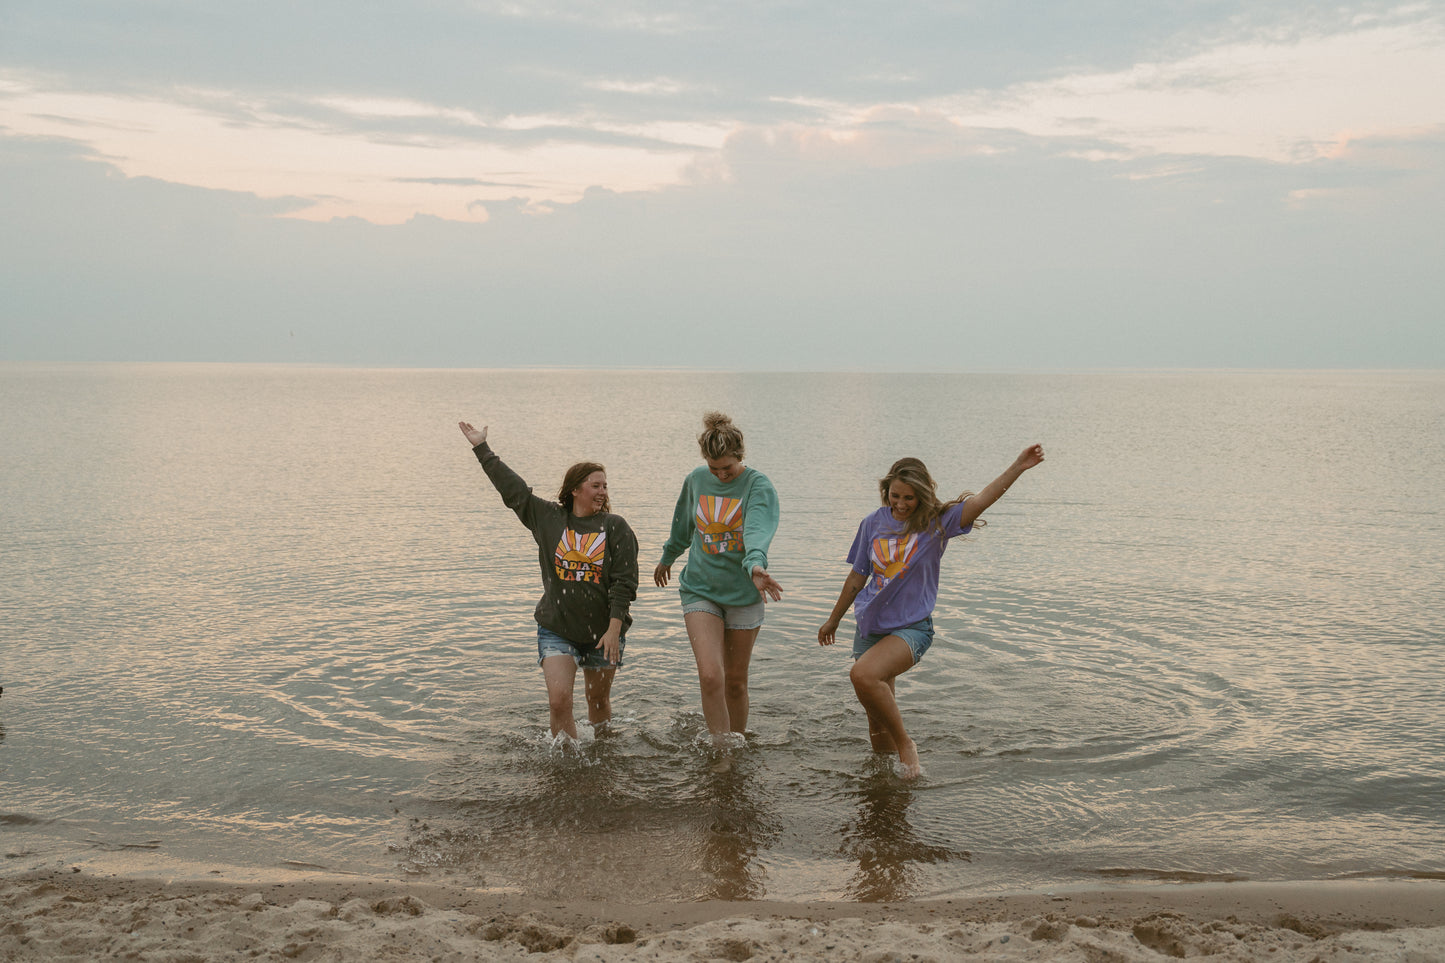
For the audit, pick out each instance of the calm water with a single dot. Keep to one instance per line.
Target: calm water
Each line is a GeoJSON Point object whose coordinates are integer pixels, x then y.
{"type": "Point", "coordinates": [264, 617]}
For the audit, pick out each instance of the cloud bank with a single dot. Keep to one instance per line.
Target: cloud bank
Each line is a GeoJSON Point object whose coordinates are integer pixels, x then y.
{"type": "Point", "coordinates": [516, 183]}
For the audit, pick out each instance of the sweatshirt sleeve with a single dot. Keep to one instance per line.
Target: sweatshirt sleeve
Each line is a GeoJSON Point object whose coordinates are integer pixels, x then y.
{"type": "Point", "coordinates": [760, 524]}
{"type": "Point", "coordinates": [516, 494]}
{"type": "Point", "coordinates": [622, 589]}
{"type": "Point", "coordinates": [680, 536]}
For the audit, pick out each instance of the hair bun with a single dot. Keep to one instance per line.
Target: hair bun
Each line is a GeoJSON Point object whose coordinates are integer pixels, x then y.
{"type": "Point", "coordinates": [720, 437]}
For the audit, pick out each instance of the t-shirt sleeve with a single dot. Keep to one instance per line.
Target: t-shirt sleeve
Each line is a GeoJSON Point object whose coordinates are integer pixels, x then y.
{"type": "Point", "coordinates": [858, 555]}
{"type": "Point", "coordinates": [950, 521]}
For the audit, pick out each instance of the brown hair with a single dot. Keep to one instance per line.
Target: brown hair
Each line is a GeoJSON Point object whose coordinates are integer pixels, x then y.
{"type": "Point", "coordinates": [575, 476]}
{"type": "Point", "coordinates": [914, 473]}
{"type": "Point", "coordinates": [720, 437]}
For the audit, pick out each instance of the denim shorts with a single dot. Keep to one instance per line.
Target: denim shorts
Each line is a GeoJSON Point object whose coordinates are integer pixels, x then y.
{"type": "Point", "coordinates": [733, 616]}
{"type": "Point", "coordinates": [919, 637]}
{"type": "Point", "coordinates": [550, 643]}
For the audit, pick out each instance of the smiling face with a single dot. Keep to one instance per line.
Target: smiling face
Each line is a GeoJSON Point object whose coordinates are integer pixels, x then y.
{"type": "Point", "coordinates": [590, 497]}
{"type": "Point", "coordinates": [902, 500]}
{"type": "Point", "coordinates": [725, 469]}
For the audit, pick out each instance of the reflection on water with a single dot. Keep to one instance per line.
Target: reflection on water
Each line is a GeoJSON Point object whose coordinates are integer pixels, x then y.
{"type": "Point", "coordinates": [888, 849]}
{"type": "Point", "coordinates": [738, 828]}
{"type": "Point", "coordinates": [1204, 638]}
{"type": "Point", "coordinates": [601, 821]}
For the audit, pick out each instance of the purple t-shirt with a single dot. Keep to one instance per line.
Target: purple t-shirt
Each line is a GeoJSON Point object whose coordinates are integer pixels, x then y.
{"type": "Point", "coordinates": [902, 569]}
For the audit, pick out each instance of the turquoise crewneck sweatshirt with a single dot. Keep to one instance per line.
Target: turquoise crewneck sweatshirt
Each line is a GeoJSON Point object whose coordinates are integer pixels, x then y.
{"type": "Point", "coordinates": [726, 530]}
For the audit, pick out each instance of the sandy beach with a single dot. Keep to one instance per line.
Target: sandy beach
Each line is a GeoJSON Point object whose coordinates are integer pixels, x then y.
{"type": "Point", "coordinates": [66, 915]}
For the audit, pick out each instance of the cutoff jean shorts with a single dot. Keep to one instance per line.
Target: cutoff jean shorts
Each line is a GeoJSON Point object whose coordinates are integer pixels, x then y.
{"type": "Point", "coordinates": [919, 637]}
{"type": "Point", "coordinates": [550, 643]}
{"type": "Point", "coordinates": [734, 616]}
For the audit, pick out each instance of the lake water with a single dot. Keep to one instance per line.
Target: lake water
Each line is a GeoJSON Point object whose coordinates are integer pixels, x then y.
{"type": "Point", "coordinates": [264, 617]}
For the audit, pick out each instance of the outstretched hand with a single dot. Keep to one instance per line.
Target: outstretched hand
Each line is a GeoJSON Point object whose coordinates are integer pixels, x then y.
{"type": "Point", "coordinates": [474, 437]}
{"type": "Point", "coordinates": [1030, 457]}
{"type": "Point", "coordinates": [766, 585]}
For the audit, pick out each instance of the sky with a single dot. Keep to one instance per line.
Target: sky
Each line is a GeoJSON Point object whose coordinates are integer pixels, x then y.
{"type": "Point", "coordinates": [792, 185]}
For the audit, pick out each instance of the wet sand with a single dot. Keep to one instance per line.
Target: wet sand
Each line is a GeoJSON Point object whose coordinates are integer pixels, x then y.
{"type": "Point", "coordinates": [65, 915]}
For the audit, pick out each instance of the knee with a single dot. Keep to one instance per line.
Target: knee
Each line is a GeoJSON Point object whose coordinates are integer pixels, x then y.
{"type": "Point", "coordinates": [861, 678]}
{"type": "Point", "coordinates": [560, 703]}
{"type": "Point", "coordinates": [737, 688]}
{"type": "Point", "coordinates": [710, 680]}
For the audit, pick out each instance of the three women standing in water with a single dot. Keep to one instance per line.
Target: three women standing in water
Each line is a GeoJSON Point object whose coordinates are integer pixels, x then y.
{"type": "Point", "coordinates": [725, 519]}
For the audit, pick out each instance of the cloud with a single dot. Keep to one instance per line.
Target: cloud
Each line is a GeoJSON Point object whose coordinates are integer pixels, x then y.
{"type": "Point", "coordinates": [1286, 101]}
{"type": "Point", "coordinates": [529, 183]}
{"type": "Point", "coordinates": [1265, 84]}
{"type": "Point", "coordinates": [459, 182]}
{"type": "Point", "coordinates": [971, 261]}
{"type": "Point", "coordinates": [382, 160]}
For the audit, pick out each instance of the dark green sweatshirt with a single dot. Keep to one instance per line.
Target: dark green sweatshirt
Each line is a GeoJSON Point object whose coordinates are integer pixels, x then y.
{"type": "Point", "coordinates": [589, 565]}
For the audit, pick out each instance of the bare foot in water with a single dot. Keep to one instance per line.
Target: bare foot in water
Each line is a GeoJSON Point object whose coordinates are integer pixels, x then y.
{"type": "Point", "coordinates": [908, 765]}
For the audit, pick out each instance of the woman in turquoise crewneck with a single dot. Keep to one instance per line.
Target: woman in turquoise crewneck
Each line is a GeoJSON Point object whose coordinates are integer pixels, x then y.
{"type": "Point", "coordinates": [725, 520]}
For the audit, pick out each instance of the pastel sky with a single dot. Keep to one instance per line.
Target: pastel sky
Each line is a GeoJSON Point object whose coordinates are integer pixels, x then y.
{"type": "Point", "coordinates": [728, 185]}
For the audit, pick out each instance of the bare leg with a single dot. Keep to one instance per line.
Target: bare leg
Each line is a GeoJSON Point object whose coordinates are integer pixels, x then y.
{"type": "Point", "coordinates": [560, 671]}
{"type": "Point", "coordinates": [705, 632]}
{"type": "Point", "coordinates": [737, 656]}
{"type": "Point", "coordinates": [877, 728]}
{"type": "Point", "coordinates": [872, 677]}
{"type": "Point", "coordinates": [598, 683]}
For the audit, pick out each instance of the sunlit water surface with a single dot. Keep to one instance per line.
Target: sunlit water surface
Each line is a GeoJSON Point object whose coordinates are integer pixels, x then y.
{"type": "Point", "coordinates": [270, 617]}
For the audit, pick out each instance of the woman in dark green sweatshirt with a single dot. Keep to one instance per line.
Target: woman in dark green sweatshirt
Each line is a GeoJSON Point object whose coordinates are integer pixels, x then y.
{"type": "Point", "coordinates": [588, 558]}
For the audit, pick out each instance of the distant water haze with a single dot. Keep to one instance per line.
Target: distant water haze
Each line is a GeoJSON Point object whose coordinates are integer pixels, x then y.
{"type": "Point", "coordinates": [256, 617]}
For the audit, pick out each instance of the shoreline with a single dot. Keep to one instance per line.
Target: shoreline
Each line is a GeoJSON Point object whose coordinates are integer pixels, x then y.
{"type": "Point", "coordinates": [62, 914]}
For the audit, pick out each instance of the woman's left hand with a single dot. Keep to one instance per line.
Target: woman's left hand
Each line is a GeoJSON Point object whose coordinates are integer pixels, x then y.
{"type": "Point", "coordinates": [1030, 457]}
{"type": "Point", "coordinates": [612, 646]}
{"type": "Point", "coordinates": [766, 585]}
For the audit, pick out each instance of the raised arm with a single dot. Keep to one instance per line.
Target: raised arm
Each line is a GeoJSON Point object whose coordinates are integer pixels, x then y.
{"type": "Point", "coordinates": [993, 491]}
{"type": "Point", "coordinates": [515, 492]}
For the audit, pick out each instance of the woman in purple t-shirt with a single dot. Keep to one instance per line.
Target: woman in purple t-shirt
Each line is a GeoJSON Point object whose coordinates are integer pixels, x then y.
{"type": "Point", "coordinates": [895, 560]}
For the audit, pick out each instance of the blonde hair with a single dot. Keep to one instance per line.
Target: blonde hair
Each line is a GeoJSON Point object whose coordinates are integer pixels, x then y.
{"type": "Point", "coordinates": [575, 476]}
{"type": "Point", "coordinates": [914, 473]}
{"type": "Point", "coordinates": [720, 437]}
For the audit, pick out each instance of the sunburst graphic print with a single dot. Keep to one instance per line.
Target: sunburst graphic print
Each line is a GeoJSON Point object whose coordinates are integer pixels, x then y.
{"type": "Point", "coordinates": [580, 555]}
{"type": "Point", "coordinates": [719, 523]}
{"type": "Point", "coordinates": [890, 556]}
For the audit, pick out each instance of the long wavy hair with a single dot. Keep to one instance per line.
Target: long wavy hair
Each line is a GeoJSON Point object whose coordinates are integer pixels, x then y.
{"type": "Point", "coordinates": [575, 476]}
{"type": "Point", "coordinates": [720, 437]}
{"type": "Point", "coordinates": [914, 473]}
